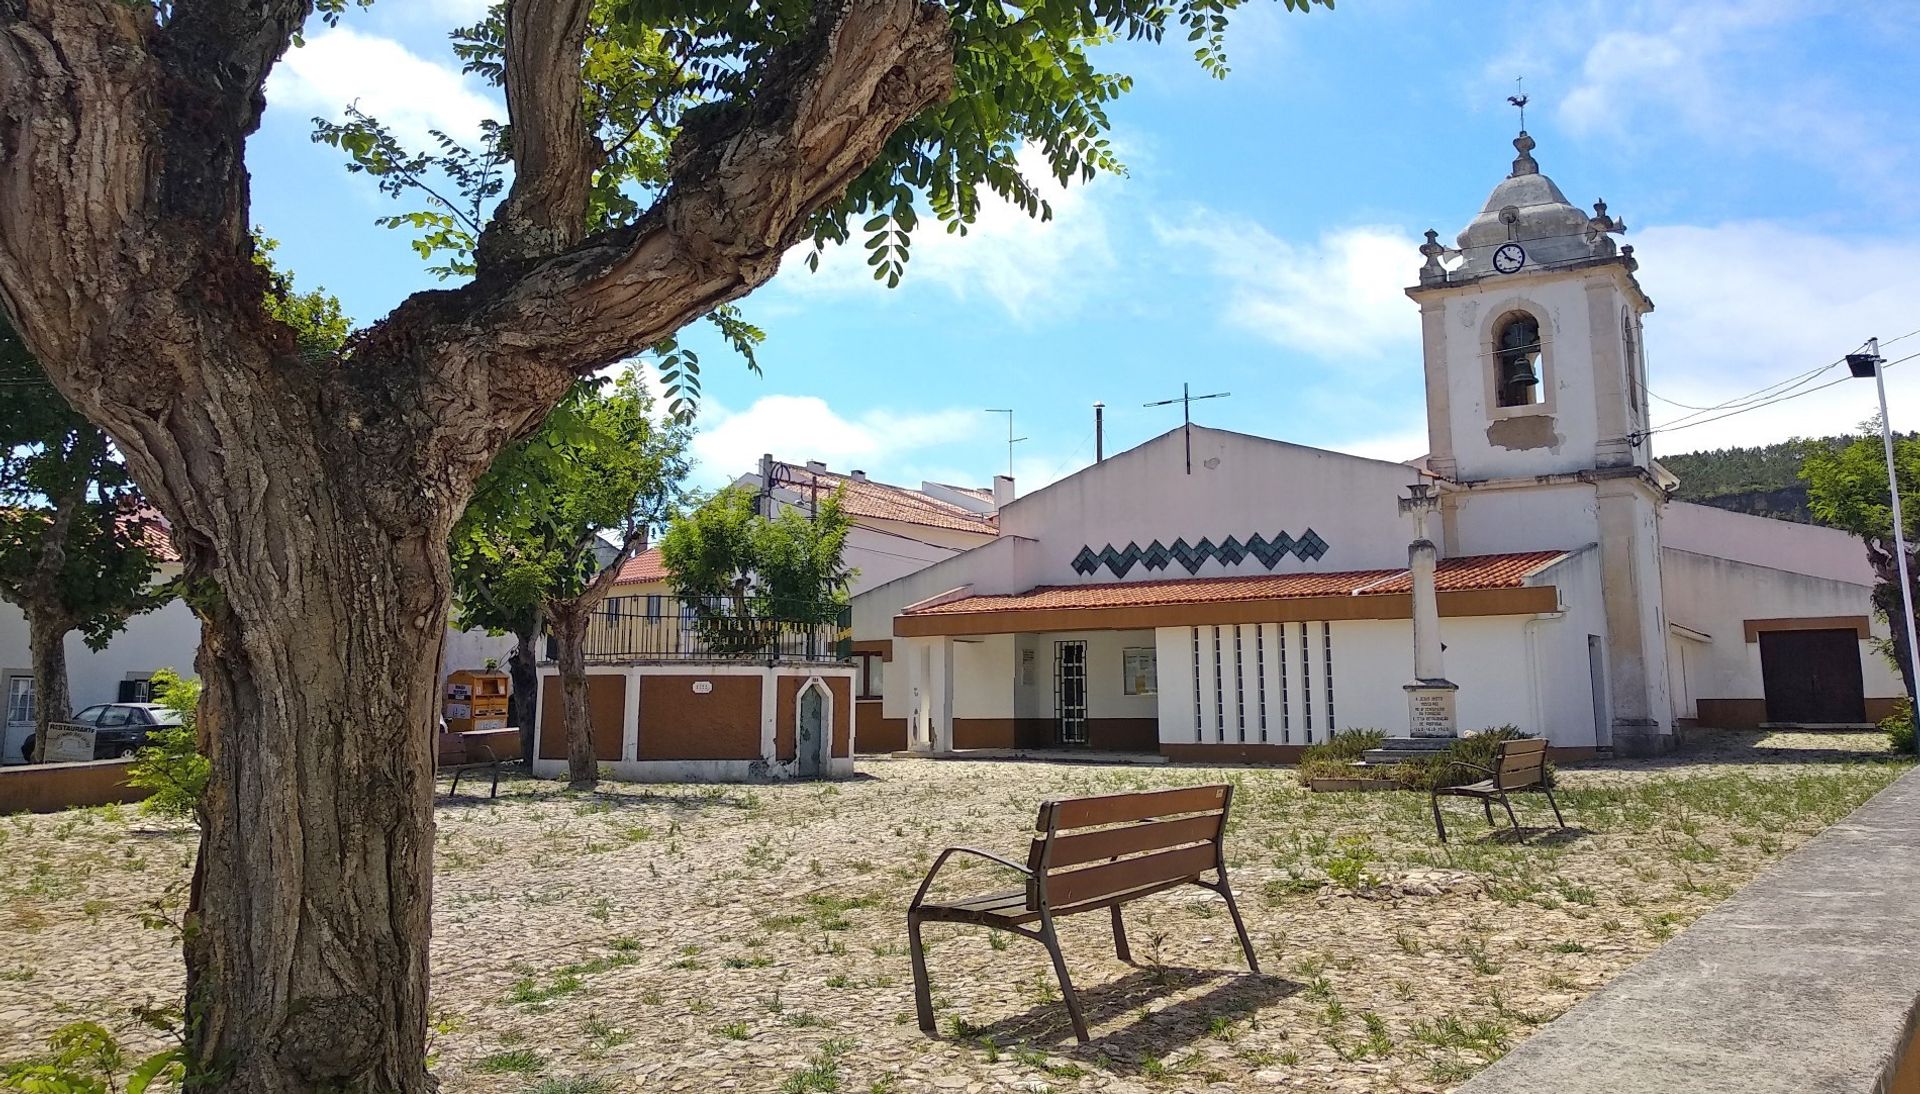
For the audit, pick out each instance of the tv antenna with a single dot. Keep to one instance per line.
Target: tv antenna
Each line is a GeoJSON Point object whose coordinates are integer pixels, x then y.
{"type": "Point", "coordinates": [1186, 400]}
{"type": "Point", "coordinates": [1011, 439]}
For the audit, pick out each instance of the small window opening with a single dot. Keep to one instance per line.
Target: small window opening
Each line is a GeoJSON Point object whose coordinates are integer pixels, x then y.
{"type": "Point", "coordinates": [1517, 358]}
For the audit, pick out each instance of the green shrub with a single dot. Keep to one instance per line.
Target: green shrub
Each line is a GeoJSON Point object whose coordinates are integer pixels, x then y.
{"type": "Point", "coordinates": [171, 765]}
{"type": "Point", "coordinates": [1450, 767]}
{"type": "Point", "coordinates": [83, 1058]}
{"type": "Point", "coordinates": [1899, 728]}
{"type": "Point", "coordinates": [1333, 757]}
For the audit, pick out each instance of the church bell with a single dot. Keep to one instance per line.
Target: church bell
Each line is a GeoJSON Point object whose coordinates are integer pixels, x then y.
{"type": "Point", "coordinates": [1519, 372]}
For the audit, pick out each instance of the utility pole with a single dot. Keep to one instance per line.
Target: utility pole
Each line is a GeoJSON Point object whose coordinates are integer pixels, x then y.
{"type": "Point", "coordinates": [1863, 365]}
{"type": "Point", "coordinates": [1011, 439]}
{"type": "Point", "coordinates": [1186, 401]}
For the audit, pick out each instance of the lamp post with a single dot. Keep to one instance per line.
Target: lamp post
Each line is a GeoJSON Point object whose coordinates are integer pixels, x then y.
{"type": "Point", "coordinates": [1863, 365]}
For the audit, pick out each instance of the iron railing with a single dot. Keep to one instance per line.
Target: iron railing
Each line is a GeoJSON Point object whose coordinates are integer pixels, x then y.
{"type": "Point", "coordinates": [663, 627]}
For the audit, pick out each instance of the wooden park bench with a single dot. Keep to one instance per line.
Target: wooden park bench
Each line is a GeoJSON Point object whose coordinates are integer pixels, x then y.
{"type": "Point", "coordinates": [1517, 765]}
{"type": "Point", "coordinates": [1088, 854]}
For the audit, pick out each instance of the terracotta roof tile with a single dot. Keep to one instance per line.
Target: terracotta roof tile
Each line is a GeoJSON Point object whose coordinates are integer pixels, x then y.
{"type": "Point", "coordinates": [645, 566]}
{"type": "Point", "coordinates": [1506, 571]}
{"type": "Point", "coordinates": [882, 501]}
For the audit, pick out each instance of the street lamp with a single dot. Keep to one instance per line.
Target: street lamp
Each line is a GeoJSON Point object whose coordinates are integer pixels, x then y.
{"type": "Point", "coordinates": [1863, 365]}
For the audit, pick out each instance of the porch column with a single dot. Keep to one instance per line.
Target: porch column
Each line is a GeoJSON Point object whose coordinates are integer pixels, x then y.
{"type": "Point", "coordinates": [940, 695]}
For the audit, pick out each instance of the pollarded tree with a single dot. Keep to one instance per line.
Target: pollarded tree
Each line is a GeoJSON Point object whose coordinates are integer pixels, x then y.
{"type": "Point", "coordinates": [74, 552]}
{"type": "Point", "coordinates": [602, 465]}
{"type": "Point", "coordinates": [1847, 489]}
{"type": "Point", "coordinates": [314, 493]}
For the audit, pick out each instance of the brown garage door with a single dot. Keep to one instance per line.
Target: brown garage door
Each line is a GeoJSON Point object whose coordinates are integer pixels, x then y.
{"type": "Point", "coordinates": [1812, 676]}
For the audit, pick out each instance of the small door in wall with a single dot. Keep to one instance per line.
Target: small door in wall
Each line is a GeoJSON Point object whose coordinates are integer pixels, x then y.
{"type": "Point", "coordinates": [1813, 677]}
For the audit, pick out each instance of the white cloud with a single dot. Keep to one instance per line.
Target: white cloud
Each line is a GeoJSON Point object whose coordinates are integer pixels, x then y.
{"type": "Point", "coordinates": [1741, 306]}
{"type": "Point", "coordinates": [805, 427]}
{"type": "Point", "coordinates": [1340, 296]}
{"type": "Point", "coordinates": [1026, 265]}
{"type": "Point", "coordinates": [409, 93]}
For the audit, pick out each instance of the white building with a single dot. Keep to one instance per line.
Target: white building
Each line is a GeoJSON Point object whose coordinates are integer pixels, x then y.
{"type": "Point", "coordinates": [1256, 598]}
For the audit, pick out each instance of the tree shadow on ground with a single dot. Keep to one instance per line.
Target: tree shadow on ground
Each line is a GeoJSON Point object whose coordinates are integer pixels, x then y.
{"type": "Point", "coordinates": [518, 788]}
{"type": "Point", "coordinates": [1152, 1035]}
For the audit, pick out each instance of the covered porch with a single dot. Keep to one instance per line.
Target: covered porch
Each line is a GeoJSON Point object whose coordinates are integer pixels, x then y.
{"type": "Point", "coordinates": [1231, 669]}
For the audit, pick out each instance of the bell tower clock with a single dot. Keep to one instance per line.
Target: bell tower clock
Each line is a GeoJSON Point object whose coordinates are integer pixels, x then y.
{"type": "Point", "coordinates": [1537, 415]}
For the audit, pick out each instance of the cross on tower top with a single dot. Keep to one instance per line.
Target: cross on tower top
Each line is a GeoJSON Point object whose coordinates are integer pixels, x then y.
{"type": "Point", "coordinates": [1519, 100]}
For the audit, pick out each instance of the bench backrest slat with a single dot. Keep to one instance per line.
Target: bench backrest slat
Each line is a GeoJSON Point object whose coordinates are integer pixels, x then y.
{"type": "Point", "coordinates": [1138, 840]}
{"type": "Point", "coordinates": [1520, 764]}
{"type": "Point", "coordinates": [1120, 808]}
{"type": "Point", "coordinates": [1077, 848]}
{"type": "Point", "coordinates": [1093, 882]}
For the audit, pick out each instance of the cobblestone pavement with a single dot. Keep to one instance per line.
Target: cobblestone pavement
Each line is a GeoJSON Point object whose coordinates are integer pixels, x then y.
{"type": "Point", "coordinates": [751, 938]}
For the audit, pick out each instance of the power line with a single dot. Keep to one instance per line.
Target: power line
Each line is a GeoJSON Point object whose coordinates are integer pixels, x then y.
{"type": "Point", "coordinates": [1779, 399]}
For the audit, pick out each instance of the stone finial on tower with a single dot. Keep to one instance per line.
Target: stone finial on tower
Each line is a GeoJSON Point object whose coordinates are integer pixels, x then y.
{"type": "Point", "coordinates": [1600, 229]}
{"type": "Point", "coordinates": [1524, 163]}
{"type": "Point", "coordinates": [1433, 273]}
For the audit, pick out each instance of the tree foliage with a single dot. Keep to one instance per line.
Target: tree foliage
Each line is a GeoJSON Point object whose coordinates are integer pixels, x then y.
{"type": "Point", "coordinates": [73, 542]}
{"type": "Point", "coordinates": [1025, 79]}
{"type": "Point", "coordinates": [171, 765]}
{"type": "Point", "coordinates": [1847, 489]}
{"type": "Point", "coordinates": [734, 563]}
{"type": "Point", "coordinates": [602, 465]}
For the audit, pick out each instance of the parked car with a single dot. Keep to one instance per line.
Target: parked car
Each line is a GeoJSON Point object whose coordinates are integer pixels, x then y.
{"type": "Point", "coordinates": [119, 729]}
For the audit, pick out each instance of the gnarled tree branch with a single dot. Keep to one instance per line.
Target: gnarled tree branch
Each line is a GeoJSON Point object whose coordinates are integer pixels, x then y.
{"type": "Point", "coordinates": [554, 153]}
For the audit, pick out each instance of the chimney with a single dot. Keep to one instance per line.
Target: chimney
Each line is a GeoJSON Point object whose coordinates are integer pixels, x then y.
{"type": "Point", "coordinates": [857, 475]}
{"type": "Point", "coordinates": [1002, 491]}
{"type": "Point", "coordinates": [1099, 432]}
{"type": "Point", "coordinates": [815, 467]}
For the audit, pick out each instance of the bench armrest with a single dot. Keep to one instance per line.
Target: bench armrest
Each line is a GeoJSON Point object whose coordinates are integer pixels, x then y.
{"type": "Point", "coordinates": [921, 893]}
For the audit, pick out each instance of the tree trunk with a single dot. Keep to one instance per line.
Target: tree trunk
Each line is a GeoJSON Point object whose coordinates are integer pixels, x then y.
{"type": "Point", "coordinates": [308, 921]}
{"type": "Point", "coordinates": [47, 635]}
{"type": "Point", "coordinates": [1886, 597]}
{"type": "Point", "coordinates": [524, 672]}
{"type": "Point", "coordinates": [312, 496]}
{"type": "Point", "coordinates": [569, 623]}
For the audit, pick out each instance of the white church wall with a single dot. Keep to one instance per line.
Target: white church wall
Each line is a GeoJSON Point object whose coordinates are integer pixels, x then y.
{"type": "Point", "coordinates": [1715, 596]}
{"type": "Point", "coordinates": [1240, 486]}
{"type": "Point", "coordinates": [1761, 541]}
{"type": "Point", "coordinates": [1539, 518]}
{"type": "Point", "coordinates": [1562, 671]}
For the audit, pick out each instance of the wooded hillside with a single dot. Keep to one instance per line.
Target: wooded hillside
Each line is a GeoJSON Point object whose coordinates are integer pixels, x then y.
{"type": "Point", "coordinates": [1763, 480]}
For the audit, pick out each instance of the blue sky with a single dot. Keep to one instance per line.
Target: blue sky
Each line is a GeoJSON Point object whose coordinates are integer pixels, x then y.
{"type": "Point", "coordinates": [1765, 155]}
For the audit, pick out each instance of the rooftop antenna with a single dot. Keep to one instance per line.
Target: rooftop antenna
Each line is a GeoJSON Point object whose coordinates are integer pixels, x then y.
{"type": "Point", "coordinates": [1186, 401]}
{"type": "Point", "coordinates": [1011, 439]}
{"type": "Point", "coordinates": [1519, 101]}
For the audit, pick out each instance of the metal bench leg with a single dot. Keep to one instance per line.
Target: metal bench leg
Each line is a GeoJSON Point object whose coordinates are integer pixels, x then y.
{"type": "Point", "coordinates": [1439, 825]}
{"type": "Point", "coordinates": [1486, 806]}
{"type": "Point", "coordinates": [922, 993]}
{"type": "Point", "coordinates": [494, 791]}
{"type": "Point", "coordinates": [454, 790]}
{"type": "Point", "coordinates": [1120, 937]}
{"type": "Point", "coordinates": [1052, 942]}
{"type": "Point", "coordinates": [1240, 928]}
{"type": "Point", "coordinates": [1557, 818]}
{"type": "Point", "coordinates": [1508, 806]}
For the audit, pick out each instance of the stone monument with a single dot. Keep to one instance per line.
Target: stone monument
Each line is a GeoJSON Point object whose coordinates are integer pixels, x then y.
{"type": "Point", "coordinates": [1431, 725]}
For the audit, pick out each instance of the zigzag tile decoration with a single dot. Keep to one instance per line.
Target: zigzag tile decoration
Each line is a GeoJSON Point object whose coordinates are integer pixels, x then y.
{"type": "Point", "coordinates": [1191, 556]}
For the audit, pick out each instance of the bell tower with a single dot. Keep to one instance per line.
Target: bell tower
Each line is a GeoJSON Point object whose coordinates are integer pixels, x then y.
{"type": "Point", "coordinates": [1532, 336]}
{"type": "Point", "coordinates": [1537, 416]}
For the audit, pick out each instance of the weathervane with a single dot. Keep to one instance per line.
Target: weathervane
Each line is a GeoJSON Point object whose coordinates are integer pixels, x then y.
{"type": "Point", "coordinates": [1519, 101]}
